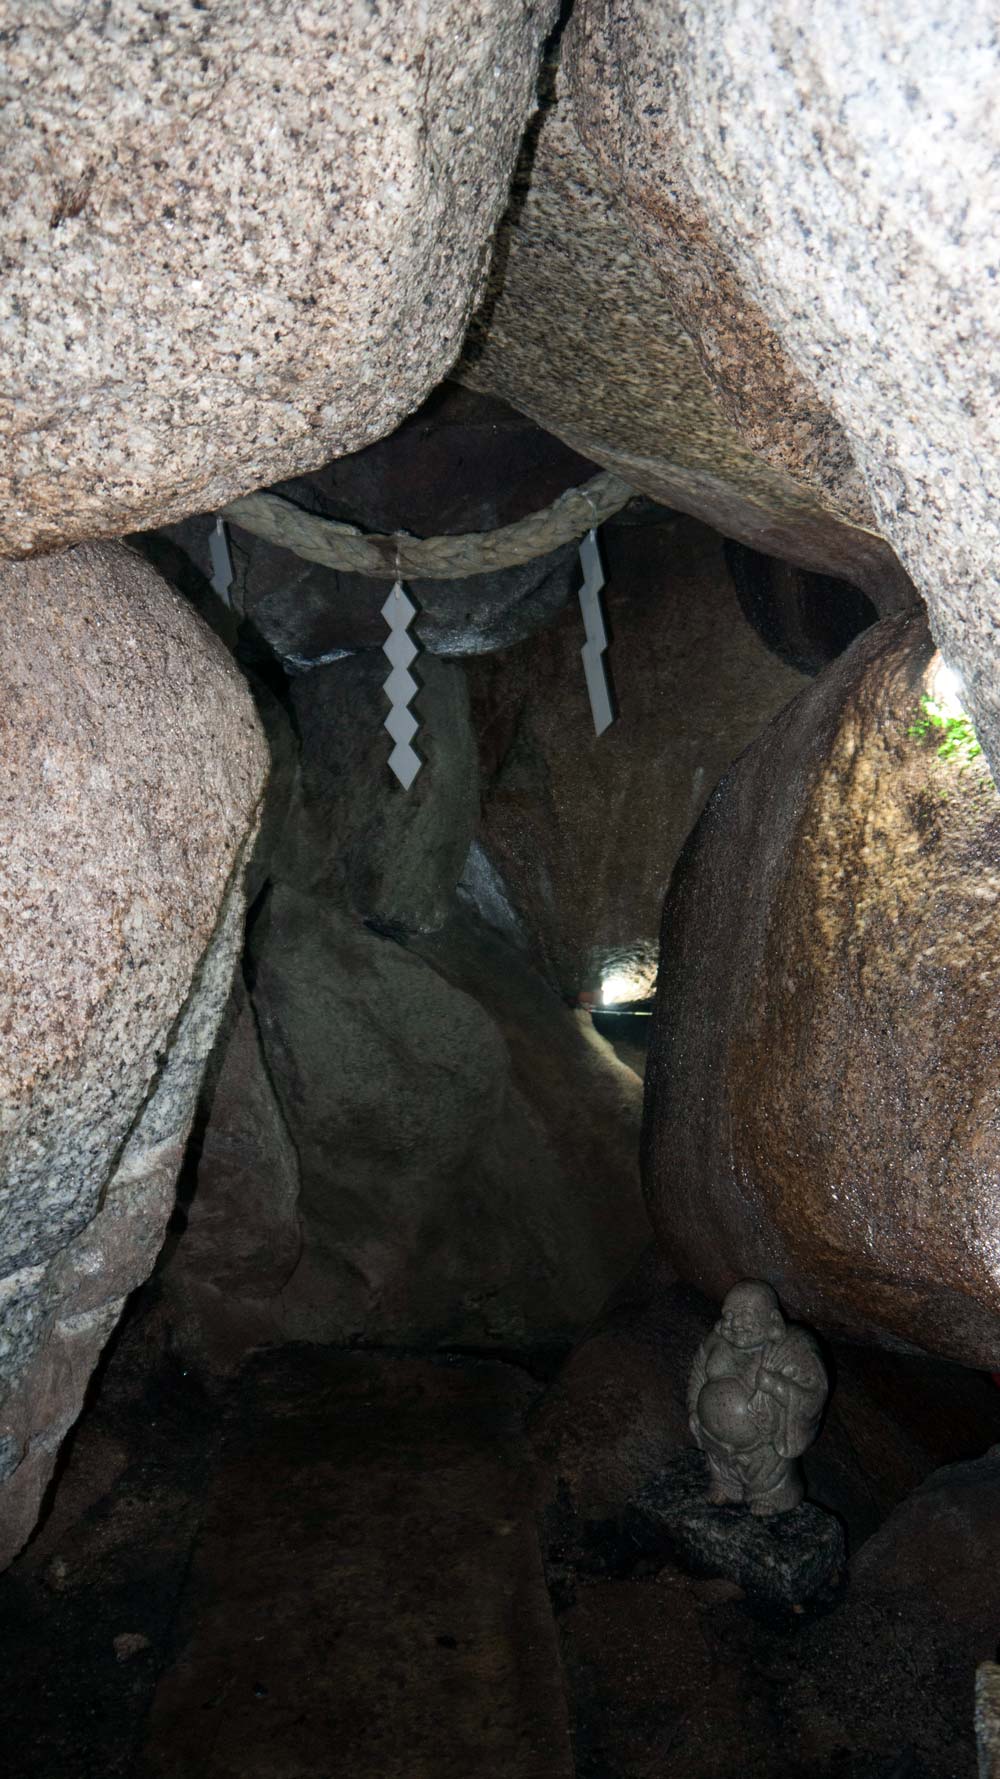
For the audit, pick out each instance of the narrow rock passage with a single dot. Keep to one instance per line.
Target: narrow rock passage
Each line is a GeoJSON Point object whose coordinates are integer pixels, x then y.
{"type": "Point", "coordinates": [367, 1595]}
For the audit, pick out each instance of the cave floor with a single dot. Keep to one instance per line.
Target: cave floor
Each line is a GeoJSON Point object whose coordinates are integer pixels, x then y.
{"type": "Point", "coordinates": [334, 1571]}
{"type": "Point", "coordinates": [367, 1596]}
{"type": "Point", "coordinates": [337, 1567]}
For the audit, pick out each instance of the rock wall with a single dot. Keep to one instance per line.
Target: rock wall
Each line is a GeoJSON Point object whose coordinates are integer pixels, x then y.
{"type": "Point", "coordinates": [243, 240]}
{"type": "Point", "coordinates": [407, 1136]}
{"type": "Point", "coordinates": [584, 831]}
{"type": "Point", "coordinates": [622, 377]}
{"type": "Point", "coordinates": [410, 1142]}
{"type": "Point", "coordinates": [817, 195]}
{"type": "Point", "coordinates": [443, 1196]}
{"type": "Point", "coordinates": [822, 1081]}
{"type": "Point", "coordinates": [408, 1133]}
{"type": "Point", "coordinates": [354, 837]}
{"type": "Point", "coordinates": [243, 1235]}
{"type": "Point", "coordinates": [134, 771]}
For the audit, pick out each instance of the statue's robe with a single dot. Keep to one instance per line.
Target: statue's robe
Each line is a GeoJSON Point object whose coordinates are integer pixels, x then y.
{"type": "Point", "coordinates": [790, 1416]}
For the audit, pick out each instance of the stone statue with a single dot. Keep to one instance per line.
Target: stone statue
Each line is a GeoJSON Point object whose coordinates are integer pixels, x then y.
{"type": "Point", "coordinates": [755, 1399]}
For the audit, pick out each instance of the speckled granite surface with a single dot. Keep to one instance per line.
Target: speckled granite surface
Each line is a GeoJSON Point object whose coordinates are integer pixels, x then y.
{"type": "Point", "coordinates": [133, 773]}
{"type": "Point", "coordinates": [622, 377]}
{"type": "Point", "coordinates": [239, 240]}
{"type": "Point", "coordinates": [818, 189]}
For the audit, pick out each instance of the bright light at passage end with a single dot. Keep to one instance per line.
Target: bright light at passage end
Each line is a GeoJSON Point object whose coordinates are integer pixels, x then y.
{"type": "Point", "coordinates": [946, 689]}
{"type": "Point", "coordinates": [616, 989]}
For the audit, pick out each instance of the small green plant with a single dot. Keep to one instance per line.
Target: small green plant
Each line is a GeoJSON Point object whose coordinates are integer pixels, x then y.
{"type": "Point", "coordinates": [955, 735]}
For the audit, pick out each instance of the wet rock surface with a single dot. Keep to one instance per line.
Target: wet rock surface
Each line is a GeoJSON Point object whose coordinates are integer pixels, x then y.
{"type": "Point", "coordinates": [135, 771]}
{"type": "Point", "coordinates": [467, 1169]}
{"type": "Point", "coordinates": [201, 302]}
{"type": "Point", "coordinates": [583, 830]}
{"type": "Point", "coordinates": [824, 1055]}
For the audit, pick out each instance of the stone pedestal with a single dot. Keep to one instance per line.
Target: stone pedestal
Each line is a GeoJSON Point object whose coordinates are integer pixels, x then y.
{"type": "Point", "coordinates": [786, 1558]}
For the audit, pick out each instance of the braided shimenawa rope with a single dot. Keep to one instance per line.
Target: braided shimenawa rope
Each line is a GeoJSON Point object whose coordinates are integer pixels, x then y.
{"type": "Point", "coordinates": [430, 558]}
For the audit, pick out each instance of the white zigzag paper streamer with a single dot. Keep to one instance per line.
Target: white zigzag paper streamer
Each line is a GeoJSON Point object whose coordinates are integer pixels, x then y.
{"type": "Point", "coordinates": [222, 562]}
{"type": "Point", "coordinates": [597, 637]}
{"type": "Point", "coordinates": [399, 612]}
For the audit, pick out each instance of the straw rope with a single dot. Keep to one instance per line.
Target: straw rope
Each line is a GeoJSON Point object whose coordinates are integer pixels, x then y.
{"type": "Point", "coordinates": [431, 558]}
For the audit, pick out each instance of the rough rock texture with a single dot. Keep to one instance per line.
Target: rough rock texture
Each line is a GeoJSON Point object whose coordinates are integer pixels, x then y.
{"type": "Point", "coordinates": [242, 1239]}
{"type": "Point", "coordinates": [238, 1589]}
{"type": "Point", "coordinates": [988, 1719]}
{"type": "Point", "coordinates": [819, 196]}
{"type": "Point", "coordinates": [133, 770]}
{"type": "Point", "coordinates": [616, 1411]}
{"type": "Point", "coordinates": [584, 831]}
{"type": "Point", "coordinates": [282, 797]}
{"type": "Point", "coordinates": [465, 1148]}
{"type": "Point", "coordinates": [349, 1486]}
{"type": "Point", "coordinates": [941, 1548]}
{"type": "Point", "coordinates": [932, 1568]}
{"type": "Point", "coordinates": [461, 463]}
{"type": "Point", "coordinates": [405, 1134]}
{"type": "Point", "coordinates": [241, 241]}
{"type": "Point", "coordinates": [823, 1070]}
{"type": "Point", "coordinates": [437, 1196]}
{"type": "Point", "coordinates": [355, 835]}
{"type": "Point", "coordinates": [622, 379]}
{"type": "Point", "coordinates": [387, 1082]}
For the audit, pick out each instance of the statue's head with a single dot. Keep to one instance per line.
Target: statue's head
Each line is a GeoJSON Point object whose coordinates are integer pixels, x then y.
{"type": "Point", "coordinates": [751, 1315]}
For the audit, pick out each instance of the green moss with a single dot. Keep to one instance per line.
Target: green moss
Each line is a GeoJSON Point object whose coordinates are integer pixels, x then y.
{"type": "Point", "coordinates": [955, 735]}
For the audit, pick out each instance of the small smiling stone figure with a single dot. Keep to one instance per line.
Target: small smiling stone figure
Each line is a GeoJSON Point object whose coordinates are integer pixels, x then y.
{"type": "Point", "coordinates": [755, 1398]}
